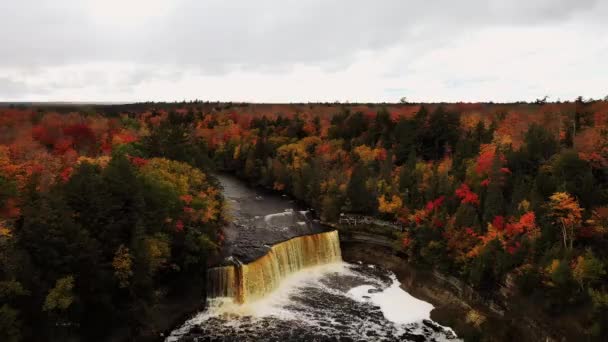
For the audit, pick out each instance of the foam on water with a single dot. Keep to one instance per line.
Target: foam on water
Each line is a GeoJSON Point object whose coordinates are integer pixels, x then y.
{"type": "Point", "coordinates": [337, 299]}
{"type": "Point", "coordinates": [397, 305]}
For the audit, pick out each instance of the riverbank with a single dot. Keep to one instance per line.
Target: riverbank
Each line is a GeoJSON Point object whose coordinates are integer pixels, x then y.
{"type": "Point", "coordinates": [166, 315]}
{"type": "Point", "coordinates": [505, 316]}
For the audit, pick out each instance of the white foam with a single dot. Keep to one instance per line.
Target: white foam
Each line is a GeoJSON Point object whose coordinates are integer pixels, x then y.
{"type": "Point", "coordinates": [397, 305]}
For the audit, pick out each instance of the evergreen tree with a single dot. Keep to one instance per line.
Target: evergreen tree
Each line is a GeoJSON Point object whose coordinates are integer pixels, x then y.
{"type": "Point", "coordinates": [361, 201]}
{"type": "Point", "coordinates": [405, 139]}
{"type": "Point", "coordinates": [494, 199]}
{"type": "Point", "coordinates": [540, 145]}
{"type": "Point", "coordinates": [442, 131]}
{"type": "Point", "coordinates": [408, 180]}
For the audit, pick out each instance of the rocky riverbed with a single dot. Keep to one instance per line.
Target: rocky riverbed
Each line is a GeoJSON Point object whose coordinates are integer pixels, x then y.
{"type": "Point", "coordinates": [260, 219]}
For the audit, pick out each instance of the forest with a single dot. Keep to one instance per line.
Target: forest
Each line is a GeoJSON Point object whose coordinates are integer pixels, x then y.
{"type": "Point", "coordinates": [107, 210]}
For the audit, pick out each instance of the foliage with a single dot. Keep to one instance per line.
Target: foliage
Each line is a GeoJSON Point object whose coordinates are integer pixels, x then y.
{"type": "Point", "coordinates": [391, 205]}
{"type": "Point", "coordinates": [60, 297]}
{"type": "Point", "coordinates": [588, 269]}
{"type": "Point", "coordinates": [123, 200]}
{"type": "Point", "coordinates": [568, 215]}
{"type": "Point", "coordinates": [123, 266]}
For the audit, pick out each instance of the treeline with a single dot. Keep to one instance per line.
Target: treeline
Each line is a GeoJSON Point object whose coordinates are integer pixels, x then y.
{"type": "Point", "coordinates": [101, 223]}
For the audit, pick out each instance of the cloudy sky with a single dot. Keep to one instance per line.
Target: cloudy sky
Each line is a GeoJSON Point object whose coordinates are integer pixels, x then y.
{"type": "Point", "coordinates": [302, 50]}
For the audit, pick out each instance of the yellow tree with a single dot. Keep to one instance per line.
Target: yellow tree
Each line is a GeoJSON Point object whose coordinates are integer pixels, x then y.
{"type": "Point", "coordinates": [587, 269]}
{"type": "Point", "coordinates": [61, 296]}
{"type": "Point", "coordinates": [389, 205]}
{"type": "Point", "coordinates": [123, 266]}
{"type": "Point", "coordinates": [568, 214]}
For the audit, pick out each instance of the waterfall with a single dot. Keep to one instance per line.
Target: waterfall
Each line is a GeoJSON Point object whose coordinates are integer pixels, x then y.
{"type": "Point", "coordinates": [245, 282]}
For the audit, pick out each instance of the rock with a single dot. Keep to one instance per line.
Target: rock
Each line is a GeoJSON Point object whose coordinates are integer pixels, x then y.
{"type": "Point", "coordinates": [436, 327]}
{"type": "Point", "coordinates": [450, 335]}
{"type": "Point", "coordinates": [413, 337]}
{"type": "Point", "coordinates": [196, 330]}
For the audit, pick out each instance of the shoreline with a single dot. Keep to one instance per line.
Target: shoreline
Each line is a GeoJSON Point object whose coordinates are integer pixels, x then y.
{"type": "Point", "coordinates": [472, 315]}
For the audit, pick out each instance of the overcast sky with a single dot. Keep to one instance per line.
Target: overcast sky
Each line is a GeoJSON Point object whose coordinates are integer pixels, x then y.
{"type": "Point", "coordinates": [302, 50]}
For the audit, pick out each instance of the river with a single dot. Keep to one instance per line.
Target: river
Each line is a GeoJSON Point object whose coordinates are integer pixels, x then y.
{"type": "Point", "coordinates": [337, 301]}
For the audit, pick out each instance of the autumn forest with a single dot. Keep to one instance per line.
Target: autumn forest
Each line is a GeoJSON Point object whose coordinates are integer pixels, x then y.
{"type": "Point", "coordinates": [108, 212]}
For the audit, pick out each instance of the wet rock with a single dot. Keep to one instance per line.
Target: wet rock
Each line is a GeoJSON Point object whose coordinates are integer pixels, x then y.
{"type": "Point", "coordinates": [413, 337]}
{"type": "Point", "coordinates": [196, 330]}
{"type": "Point", "coordinates": [450, 335]}
{"type": "Point", "coordinates": [252, 229]}
{"type": "Point", "coordinates": [434, 326]}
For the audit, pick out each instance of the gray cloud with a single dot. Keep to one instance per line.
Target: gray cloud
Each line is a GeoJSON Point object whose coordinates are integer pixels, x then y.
{"type": "Point", "coordinates": [269, 36]}
{"type": "Point", "coordinates": [216, 35]}
{"type": "Point", "coordinates": [10, 87]}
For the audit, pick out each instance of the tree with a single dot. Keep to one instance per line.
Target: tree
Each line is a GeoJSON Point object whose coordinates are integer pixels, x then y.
{"type": "Point", "coordinates": [466, 195]}
{"type": "Point", "coordinates": [588, 269]}
{"type": "Point", "coordinates": [540, 144]}
{"type": "Point", "coordinates": [8, 189]}
{"type": "Point", "coordinates": [10, 324]}
{"type": "Point", "coordinates": [439, 134]}
{"type": "Point", "coordinates": [60, 297]}
{"type": "Point", "coordinates": [405, 133]}
{"type": "Point", "coordinates": [123, 266]}
{"type": "Point", "coordinates": [158, 252]}
{"type": "Point", "coordinates": [91, 210]}
{"type": "Point", "coordinates": [573, 175]}
{"type": "Point", "coordinates": [174, 139]}
{"type": "Point", "coordinates": [124, 202]}
{"type": "Point", "coordinates": [568, 215]}
{"type": "Point", "coordinates": [357, 192]}
{"type": "Point", "coordinates": [389, 205]}
{"type": "Point", "coordinates": [560, 276]}
{"type": "Point", "coordinates": [494, 199]}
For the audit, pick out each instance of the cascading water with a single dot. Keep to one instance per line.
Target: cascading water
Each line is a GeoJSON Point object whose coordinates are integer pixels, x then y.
{"type": "Point", "coordinates": [245, 282]}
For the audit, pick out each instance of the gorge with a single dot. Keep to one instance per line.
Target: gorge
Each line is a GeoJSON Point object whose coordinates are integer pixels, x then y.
{"type": "Point", "coordinates": [282, 278]}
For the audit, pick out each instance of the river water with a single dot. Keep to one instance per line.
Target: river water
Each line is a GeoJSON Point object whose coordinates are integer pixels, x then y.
{"type": "Point", "coordinates": [333, 302]}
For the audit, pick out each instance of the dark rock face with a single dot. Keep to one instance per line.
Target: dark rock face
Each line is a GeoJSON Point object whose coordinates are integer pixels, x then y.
{"type": "Point", "coordinates": [260, 219]}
